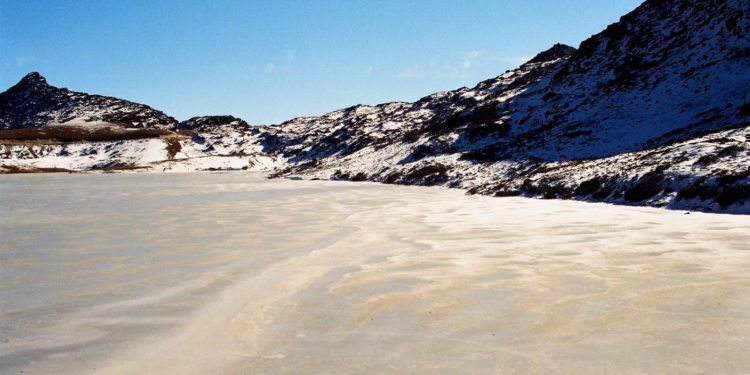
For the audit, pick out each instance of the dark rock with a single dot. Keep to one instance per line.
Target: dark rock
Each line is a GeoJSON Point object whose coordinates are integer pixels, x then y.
{"type": "Point", "coordinates": [589, 187]}
{"type": "Point", "coordinates": [647, 186]}
{"type": "Point", "coordinates": [359, 177]}
{"type": "Point", "coordinates": [558, 51]}
{"type": "Point", "coordinates": [733, 195]}
{"type": "Point", "coordinates": [700, 189]}
{"type": "Point", "coordinates": [205, 123]}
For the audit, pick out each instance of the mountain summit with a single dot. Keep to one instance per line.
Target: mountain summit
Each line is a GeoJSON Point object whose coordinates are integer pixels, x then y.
{"type": "Point", "coordinates": [32, 80]}
{"type": "Point", "coordinates": [558, 51]}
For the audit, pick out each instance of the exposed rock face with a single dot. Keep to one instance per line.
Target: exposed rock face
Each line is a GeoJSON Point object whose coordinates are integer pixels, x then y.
{"type": "Point", "coordinates": [206, 123]}
{"type": "Point", "coordinates": [34, 103]}
{"type": "Point", "coordinates": [557, 52]}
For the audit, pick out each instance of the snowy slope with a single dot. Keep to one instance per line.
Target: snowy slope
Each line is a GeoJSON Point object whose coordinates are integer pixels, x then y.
{"type": "Point", "coordinates": [669, 70]}
{"type": "Point", "coordinates": [223, 143]}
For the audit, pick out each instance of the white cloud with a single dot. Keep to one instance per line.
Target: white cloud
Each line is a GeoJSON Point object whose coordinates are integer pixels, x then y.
{"type": "Point", "coordinates": [284, 65]}
{"type": "Point", "coordinates": [24, 60]}
{"type": "Point", "coordinates": [512, 60]}
{"type": "Point", "coordinates": [370, 69]}
{"type": "Point", "coordinates": [413, 71]}
{"type": "Point", "coordinates": [470, 64]}
{"type": "Point", "coordinates": [435, 69]}
{"type": "Point", "coordinates": [471, 58]}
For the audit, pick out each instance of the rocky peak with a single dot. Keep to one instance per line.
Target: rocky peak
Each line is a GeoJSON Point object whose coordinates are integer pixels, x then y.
{"type": "Point", "coordinates": [558, 51]}
{"type": "Point", "coordinates": [28, 85]}
{"type": "Point", "coordinates": [33, 79]}
{"type": "Point", "coordinates": [209, 122]}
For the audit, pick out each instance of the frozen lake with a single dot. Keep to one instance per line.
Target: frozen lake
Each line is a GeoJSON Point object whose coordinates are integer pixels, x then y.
{"type": "Point", "coordinates": [232, 273]}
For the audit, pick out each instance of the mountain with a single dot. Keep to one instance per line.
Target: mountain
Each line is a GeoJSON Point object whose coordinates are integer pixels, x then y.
{"type": "Point", "coordinates": [669, 70]}
{"type": "Point", "coordinates": [624, 118]}
{"type": "Point", "coordinates": [32, 102]}
{"type": "Point", "coordinates": [651, 111]}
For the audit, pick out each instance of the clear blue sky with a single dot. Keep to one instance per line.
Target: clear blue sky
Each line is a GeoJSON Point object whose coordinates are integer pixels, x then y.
{"type": "Point", "coordinates": [271, 60]}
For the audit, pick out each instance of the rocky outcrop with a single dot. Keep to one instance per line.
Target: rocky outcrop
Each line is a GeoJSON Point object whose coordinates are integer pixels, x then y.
{"type": "Point", "coordinates": [207, 123]}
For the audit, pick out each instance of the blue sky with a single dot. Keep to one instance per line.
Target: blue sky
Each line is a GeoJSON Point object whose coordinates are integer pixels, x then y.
{"type": "Point", "coordinates": [272, 60]}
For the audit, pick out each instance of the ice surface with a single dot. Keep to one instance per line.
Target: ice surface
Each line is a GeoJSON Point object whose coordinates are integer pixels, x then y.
{"type": "Point", "coordinates": [232, 273]}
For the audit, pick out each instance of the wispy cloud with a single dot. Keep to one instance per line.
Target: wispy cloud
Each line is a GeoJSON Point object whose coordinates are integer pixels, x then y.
{"type": "Point", "coordinates": [512, 60]}
{"type": "Point", "coordinates": [471, 58]}
{"type": "Point", "coordinates": [283, 65]}
{"type": "Point", "coordinates": [413, 71]}
{"type": "Point", "coordinates": [437, 70]}
{"type": "Point", "coordinates": [370, 70]}
{"type": "Point", "coordinates": [24, 60]}
{"type": "Point", "coordinates": [288, 67]}
{"type": "Point", "coordinates": [470, 64]}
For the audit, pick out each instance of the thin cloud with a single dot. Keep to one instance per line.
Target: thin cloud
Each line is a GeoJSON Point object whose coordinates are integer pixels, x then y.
{"type": "Point", "coordinates": [512, 60]}
{"type": "Point", "coordinates": [471, 58]}
{"type": "Point", "coordinates": [288, 67]}
{"type": "Point", "coordinates": [470, 64]}
{"type": "Point", "coordinates": [24, 60]}
{"type": "Point", "coordinates": [284, 65]}
{"type": "Point", "coordinates": [458, 68]}
{"type": "Point", "coordinates": [369, 71]}
{"type": "Point", "coordinates": [413, 71]}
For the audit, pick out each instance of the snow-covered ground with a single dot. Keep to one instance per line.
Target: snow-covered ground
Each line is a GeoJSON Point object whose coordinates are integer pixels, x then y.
{"type": "Point", "coordinates": [143, 155]}
{"type": "Point", "coordinates": [234, 273]}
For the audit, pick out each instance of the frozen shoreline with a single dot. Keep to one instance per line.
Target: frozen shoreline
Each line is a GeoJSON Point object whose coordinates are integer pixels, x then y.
{"type": "Point", "coordinates": [234, 273]}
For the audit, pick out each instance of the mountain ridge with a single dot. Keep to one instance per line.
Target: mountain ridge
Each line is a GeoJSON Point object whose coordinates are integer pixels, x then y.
{"type": "Point", "coordinates": [650, 111]}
